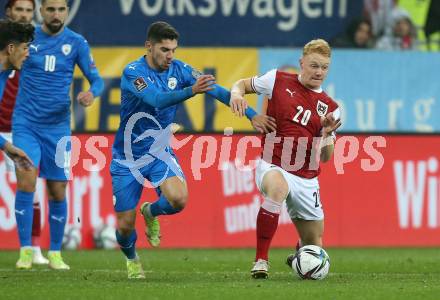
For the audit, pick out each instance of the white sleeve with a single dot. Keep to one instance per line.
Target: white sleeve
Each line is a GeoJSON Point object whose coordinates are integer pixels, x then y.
{"type": "Point", "coordinates": [264, 84]}
{"type": "Point", "coordinates": [337, 113]}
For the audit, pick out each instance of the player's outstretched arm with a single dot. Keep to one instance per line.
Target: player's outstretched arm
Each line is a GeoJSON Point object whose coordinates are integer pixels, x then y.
{"type": "Point", "coordinates": [224, 96]}
{"type": "Point", "coordinates": [134, 83]}
{"type": "Point", "coordinates": [21, 160]}
{"type": "Point", "coordinates": [261, 123]}
{"type": "Point", "coordinates": [239, 89]}
{"type": "Point", "coordinates": [202, 85]}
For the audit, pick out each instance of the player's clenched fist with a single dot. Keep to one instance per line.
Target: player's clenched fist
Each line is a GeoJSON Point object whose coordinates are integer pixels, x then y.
{"type": "Point", "coordinates": [203, 84]}
{"type": "Point", "coordinates": [85, 98]}
{"type": "Point", "coordinates": [264, 124]}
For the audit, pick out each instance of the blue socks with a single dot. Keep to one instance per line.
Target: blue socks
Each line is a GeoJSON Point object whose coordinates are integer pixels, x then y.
{"type": "Point", "coordinates": [57, 222]}
{"type": "Point", "coordinates": [127, 244]}
{"type": "Point", "coordinates": [162, 207]}
{"type": "Point", "coordinates": [24, 217]}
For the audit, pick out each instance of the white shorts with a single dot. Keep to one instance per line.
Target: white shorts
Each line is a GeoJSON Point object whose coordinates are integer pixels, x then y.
{"type": "Point", "coordinates": [303, 201]}
{"type": "Point", "coordinates": [10, 167]}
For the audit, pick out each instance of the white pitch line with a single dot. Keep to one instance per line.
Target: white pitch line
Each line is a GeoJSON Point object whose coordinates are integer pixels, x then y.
{"type": "Point", "coordinates": [200, 273]}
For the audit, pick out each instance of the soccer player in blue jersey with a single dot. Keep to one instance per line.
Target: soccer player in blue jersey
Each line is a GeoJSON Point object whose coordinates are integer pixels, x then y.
{"type": "Point", "coordinates": [14, 40]}
{"type": "Point", "coordinates": [150, 89]}
{"type": "Point", "coordinates": [41, 123]}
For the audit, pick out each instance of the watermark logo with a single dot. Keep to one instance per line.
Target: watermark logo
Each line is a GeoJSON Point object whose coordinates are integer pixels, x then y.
{"type": "Point", "coordinates": [158, 141]}
{"type": "Point", "coordinates": [144, 145]}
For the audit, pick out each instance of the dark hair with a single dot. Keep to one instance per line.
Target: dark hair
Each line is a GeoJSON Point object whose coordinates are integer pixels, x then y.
{"type": "Point", "coordinates": [11, 3]}
{"type": "Point", "coordinates": [44, 2]}
{"type": "Point", "coordinates": [15, 33]}
{"type": "Point", "coordinates": [159, 31]}
{"type": "Point", "coordinates": [355, 24]}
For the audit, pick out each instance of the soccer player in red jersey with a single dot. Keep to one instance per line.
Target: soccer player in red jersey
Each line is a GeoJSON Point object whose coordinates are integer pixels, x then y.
{"type": "Point", "coordinates": [21, 11]}
{"type": "Point", "coordinates": [306, 119]}
{"type": "Point", "coordinates": [14, 50]}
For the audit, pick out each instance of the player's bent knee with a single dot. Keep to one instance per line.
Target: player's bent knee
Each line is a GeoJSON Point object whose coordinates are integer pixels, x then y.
{"type": "Point", "coordinates": [178, 200]}
{"type": "Point", "coordinates": [26, 184]}
{"type": "Point", "coordinates": [275, 186]}
{"type": "Point", "coordinates": [277, 192]}
{"type": "Point", "coordinates": [126, 226]}
{"type": "Point", "coordinates": [27, 187]}
{"type": "Point", "coordinates": [126, 222]}
{"type": "Point", "coordinates": [56, 190]}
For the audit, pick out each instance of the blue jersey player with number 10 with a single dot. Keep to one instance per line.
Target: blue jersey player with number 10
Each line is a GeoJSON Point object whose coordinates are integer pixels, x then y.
{"type": "Point", "coordinates": [41, 123]}
{"type": "Point", "coordinates": [150, 89]}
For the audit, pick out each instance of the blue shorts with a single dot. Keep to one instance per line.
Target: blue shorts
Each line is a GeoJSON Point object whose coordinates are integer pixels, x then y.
{"type": "Point", "coordinates": [128, 185]}
{"type": "Point", "coordinates": [47, 147]}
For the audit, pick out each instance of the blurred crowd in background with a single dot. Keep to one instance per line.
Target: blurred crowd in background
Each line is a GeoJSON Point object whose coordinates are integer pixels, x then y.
{"type": "Point", "coordinates": [394, 25]}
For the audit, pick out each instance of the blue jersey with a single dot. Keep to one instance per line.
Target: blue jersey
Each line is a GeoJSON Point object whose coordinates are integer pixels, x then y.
{"type": "Point", "coordinates": [4, 75]}
{"type": "Point", "coordinates": [148, 105]}
{"type": "Point", "coordinates": [46, 77]}
{"type": "Point", "coordinates": [140, 81]}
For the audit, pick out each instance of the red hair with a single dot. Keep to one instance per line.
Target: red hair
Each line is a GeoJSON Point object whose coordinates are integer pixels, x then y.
{"type": "Point", "coordinates": [10, 3]}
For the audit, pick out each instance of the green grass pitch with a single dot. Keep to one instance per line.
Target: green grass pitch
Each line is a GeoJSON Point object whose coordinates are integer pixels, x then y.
{"type": "Point", "coordinates": [224, 274]}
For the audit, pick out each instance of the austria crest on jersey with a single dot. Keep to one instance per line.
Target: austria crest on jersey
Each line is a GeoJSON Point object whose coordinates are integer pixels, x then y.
{"type": "Point", "coordinates": [321, 108]}
{"type": "Point", "coordinates": [66, 49]}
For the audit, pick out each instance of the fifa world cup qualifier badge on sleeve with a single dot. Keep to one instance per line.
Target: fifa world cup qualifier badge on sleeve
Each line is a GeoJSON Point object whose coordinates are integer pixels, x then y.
{"type": "Point", "coordinates": [140, 84]}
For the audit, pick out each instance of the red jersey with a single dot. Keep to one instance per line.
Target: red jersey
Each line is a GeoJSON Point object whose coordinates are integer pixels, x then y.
{"type": "Point", "coordinates": [297, 111]}
{"type": "Point", "coordinates": [7, 103]}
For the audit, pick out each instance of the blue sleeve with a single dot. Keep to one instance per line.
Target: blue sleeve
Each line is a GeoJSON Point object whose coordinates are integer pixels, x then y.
{"type": "Point", "coordinates": [2, 142]}
{"type": "Point", "coordinates": [136, 84]}
{"type": "Point", "coordinates": [219, 92]}
{"type": "Point", "coordinates": [224, 96]}
{"type": "Point", "coordinates": [88, 67]}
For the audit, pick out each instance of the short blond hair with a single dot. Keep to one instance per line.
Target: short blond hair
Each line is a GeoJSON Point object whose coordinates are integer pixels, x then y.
{"type": "Point", "coordinates": [319, 46]}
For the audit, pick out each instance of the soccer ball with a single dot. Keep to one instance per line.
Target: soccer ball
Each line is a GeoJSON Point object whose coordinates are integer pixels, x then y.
{"type": "Point", "coordinates": [71, 238]}
{"type": "Point", "coordinates": [311, 262]}
{"type": "Point", "coordinates": [105, 237]}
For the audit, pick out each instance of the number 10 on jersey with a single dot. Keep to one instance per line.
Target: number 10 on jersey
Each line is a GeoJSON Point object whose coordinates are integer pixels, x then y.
{"type": "Point", "coordinates": [49, 63]}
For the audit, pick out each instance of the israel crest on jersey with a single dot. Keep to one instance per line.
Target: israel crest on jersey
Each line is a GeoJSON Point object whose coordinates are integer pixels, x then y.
{"type": "Point", "coordinates": [66, 49]}
{"type": "Point", "coordinates": [321, 108]}
{"type": "Point", "coordinates": [172, 83]}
